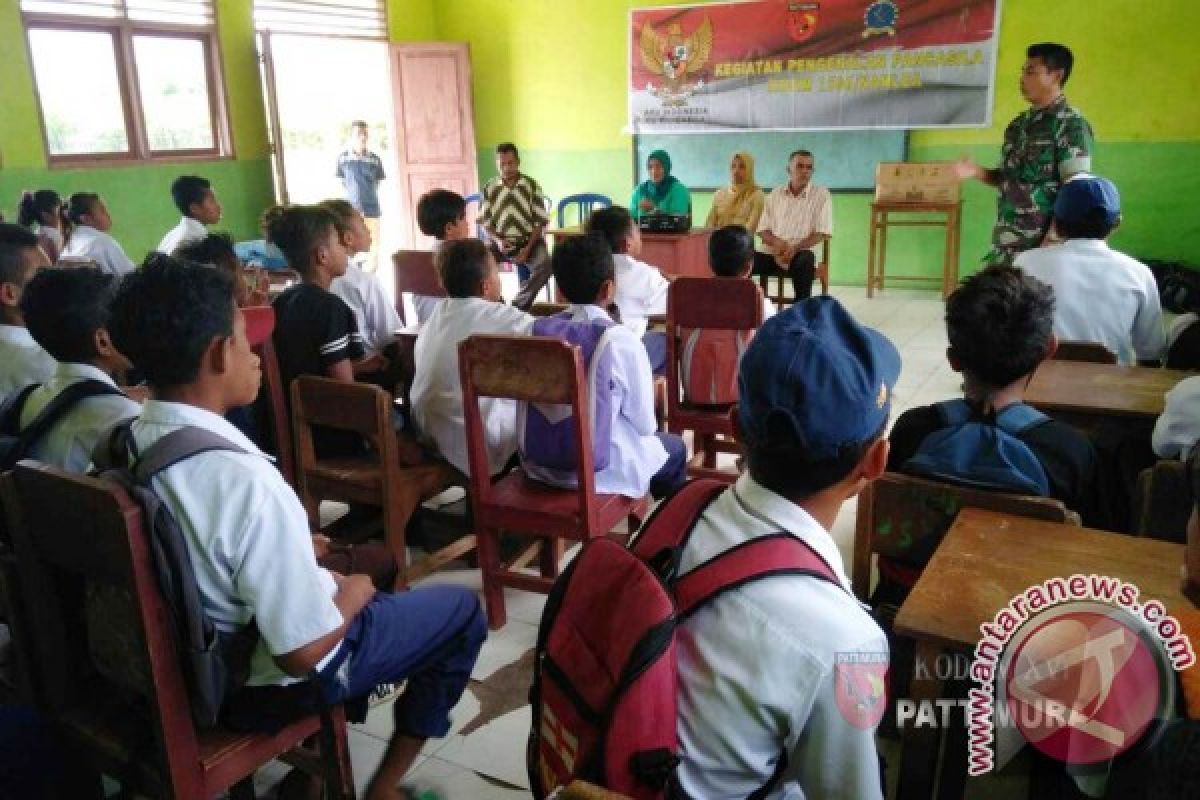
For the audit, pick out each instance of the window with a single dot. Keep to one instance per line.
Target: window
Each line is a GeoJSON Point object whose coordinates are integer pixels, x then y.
{"type": "Point", "coordinates": [362, 18]}
{"type": "Point", "coordinates": [122, 80]}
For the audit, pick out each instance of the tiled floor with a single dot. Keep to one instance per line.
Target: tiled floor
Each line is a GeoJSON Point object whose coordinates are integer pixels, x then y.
{"type": "Point", "coordinates": [489, 763]}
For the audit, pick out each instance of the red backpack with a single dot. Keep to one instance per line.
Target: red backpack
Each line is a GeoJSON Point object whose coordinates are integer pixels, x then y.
{"type": "Point", "coordinates": [604, 680]}
{"type": "Point", "coordinates": [708, 364]}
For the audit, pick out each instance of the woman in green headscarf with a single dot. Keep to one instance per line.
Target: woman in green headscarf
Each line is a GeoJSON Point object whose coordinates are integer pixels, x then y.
{"type": "Point", "coordinates": [662, 193]}
{"type": "Point", "coordinates": [741, 202]}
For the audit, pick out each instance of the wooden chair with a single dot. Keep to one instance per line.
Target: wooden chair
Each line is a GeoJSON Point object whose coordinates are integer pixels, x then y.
{"type": "Point", "coordinates": [904, 518]}
{"type": "Point", "coordinates": [1162, 502]}
{"type": "Point", "coordinates": [780, 298]}
{"type": "Point", "coordinates": [415, 273]}
{"type": "Point", "coordinates": [272, 401]}
{"type": "Point", "coordinates": [535, 369]}
{"type": "Point", "coordinates": [1091, 352]}
{"type": "Point", "coordinates": [109, 679]}
{"type": "Point", "coordinates": [714, 304]}
{"type": "Point", "coordinates": [375, 478]}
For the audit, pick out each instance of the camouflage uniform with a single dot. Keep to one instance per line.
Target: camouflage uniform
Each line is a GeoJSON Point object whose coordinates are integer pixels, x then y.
{"type": "Point", "coordinates": [1041, 146]}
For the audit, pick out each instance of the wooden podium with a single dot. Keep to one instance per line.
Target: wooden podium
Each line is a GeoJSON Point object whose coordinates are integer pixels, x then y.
{"type": "Point", "coordinates": [673, 253]}
{"type": "Point", "coordinates": [914, 195]}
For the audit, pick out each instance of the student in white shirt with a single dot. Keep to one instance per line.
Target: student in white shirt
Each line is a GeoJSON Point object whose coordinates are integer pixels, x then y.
{"type": "Point", "coordinates": [22, 360]}
{"type": "Point", "coordinates": [762, 667]}
{"type": "Point", "coordinates": [474, 305]}
{"type": "Point", "coordinates": [1178, 428]}
{"type": "Point", "coordinates": [641, 288]}
{"type": "Point", "coordinates": [1101, 295]}
{"type": "Point", "coordinates": [361, 290]}
{"type": "Point", "coordinates": [640, 458]}
{"type": "Point", "coordinates": [89, 237]}
{"type": "Point", "coordinates": [196, 200]}
{"type": "Point", "coordinates": [248, 535]}
{"type": "Point", "coordinates": [731, 255]}
{"type": "Point", "coordinates": [441, 214]}
{"type": "Point", "coordinates": [67, 311]}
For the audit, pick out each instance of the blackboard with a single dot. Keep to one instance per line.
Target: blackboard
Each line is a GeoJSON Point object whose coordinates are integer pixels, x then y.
{"type": "Point", "coordinates": [845, 160]}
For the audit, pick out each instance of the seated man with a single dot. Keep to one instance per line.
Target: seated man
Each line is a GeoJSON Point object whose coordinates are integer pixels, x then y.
{"type": "Point", "coordinates": [513, 213]}
{"type": "Point", "coordinates": [254, 559]}
{"type": "Point", "coordinates": [759, 666]}
{"type": "Point", "coordinates": [796, 219]}
{"type": "Point", "coordinates": [1101, 295]}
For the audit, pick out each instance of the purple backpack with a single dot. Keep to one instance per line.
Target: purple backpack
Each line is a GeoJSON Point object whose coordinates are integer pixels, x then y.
{"type": "Point", "coordinates": [546, 431]}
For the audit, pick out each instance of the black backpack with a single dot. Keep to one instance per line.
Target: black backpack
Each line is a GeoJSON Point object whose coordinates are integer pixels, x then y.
{"type": "Point", "coordinates": [15, 443]}
{"type": "Point", "coordinates": [216, 663]}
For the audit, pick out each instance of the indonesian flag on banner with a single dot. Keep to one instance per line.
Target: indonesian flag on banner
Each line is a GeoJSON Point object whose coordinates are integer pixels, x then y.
{"type": "Point", "coordinates": [811, 64]}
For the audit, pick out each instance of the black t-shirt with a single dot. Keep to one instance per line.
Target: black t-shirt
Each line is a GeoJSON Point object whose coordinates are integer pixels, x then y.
{"type": "Point", "coordinates": [1066, 454]}
{"type": "Point", "coordinates": [315, 329]}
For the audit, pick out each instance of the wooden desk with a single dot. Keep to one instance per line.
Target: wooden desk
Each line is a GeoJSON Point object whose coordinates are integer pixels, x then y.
{"type": "Point", "coordinates": [1101, 390]}
{"type": "Point", "coordinates": [974, 573]}
{"type": "Point", "coordinates": [673, 253]}
{"type": "Point", "coordinates": [897, 215]}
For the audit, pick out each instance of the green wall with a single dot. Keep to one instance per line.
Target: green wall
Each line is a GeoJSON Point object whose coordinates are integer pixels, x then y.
{"type": "Point", "coordinates": [550, 75]}
{"type": "Point", "coordinates": [138, 195]}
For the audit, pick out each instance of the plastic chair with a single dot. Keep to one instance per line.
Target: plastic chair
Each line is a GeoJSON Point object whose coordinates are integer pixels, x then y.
{"type": "Point", "coordinates": [709, 303]}
{"type": "Point", "coordinates": [780, 298]}
{"type": "Point", "coordinates": [109, 677]}
{"type": "Point", "coordinates": [415, 273]}
{"type": "Point", "coordinates": [374, 478]}
{"type": "Point", "coordinates": [586, 203]}
{"type": "Point", "coordinates": [1091, 352]}
{"type": "Point", "coordinates": [535, 369]}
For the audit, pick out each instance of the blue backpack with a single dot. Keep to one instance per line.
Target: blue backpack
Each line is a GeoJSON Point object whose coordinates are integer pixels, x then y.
{"type": "Point", "coordinates": [545, 431]}
{"type": "Point", "coordinates": [982, 454]}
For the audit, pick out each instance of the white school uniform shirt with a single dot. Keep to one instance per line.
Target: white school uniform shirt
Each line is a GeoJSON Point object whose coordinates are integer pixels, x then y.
{"type": "Point", "coordinates": [69, 444]}
{"type": "Point", "coordinates": [248, 539]}
{"type": "Point", "coordinates": [1100, 295]}
{"type": "Point", "coordinates": [641, 291]}
{"type": "Point", "coordinates": [757, 666]}
{"type": "Point", "coordinates": [1178, 428]}
{"type": "Point", "coordinates": [769, 309]}
{"type": "Point", "coordinates": [187, 231]}
{"type": "Point", "coordinates": [437, 401]}
{"type": "Point", "coordinates": [793, 217]}
{"type": "Point", "coordinates": [635, 453]}
{"type": "Point", "coordinates": [22, 360]}
{"type": "Point", "coordinates": [377, 318]}
{"type": "Point", "coordinates": [87, 242]}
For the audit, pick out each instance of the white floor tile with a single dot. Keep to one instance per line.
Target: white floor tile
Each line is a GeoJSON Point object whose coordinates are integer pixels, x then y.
{"type": "Point", "coordinates": [365, 754]}
{"type": "Point", "coordinates": [453, 781]}
{"type": "Point", "coordinates": [503, 647]}
{"type": "Point", "coordinates": [496, 750]}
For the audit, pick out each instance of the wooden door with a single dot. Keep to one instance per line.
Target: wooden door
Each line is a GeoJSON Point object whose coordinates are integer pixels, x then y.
{"type": "Point", "coordinates": [435, 127]}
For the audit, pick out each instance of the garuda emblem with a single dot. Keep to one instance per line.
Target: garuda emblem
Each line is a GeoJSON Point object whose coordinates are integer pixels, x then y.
{"type": "Point", "coordinates": [675, 56]}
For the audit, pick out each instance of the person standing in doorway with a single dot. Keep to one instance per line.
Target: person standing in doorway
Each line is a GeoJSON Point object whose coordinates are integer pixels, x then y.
{"type": "Point", "coordinates": [360, 171]}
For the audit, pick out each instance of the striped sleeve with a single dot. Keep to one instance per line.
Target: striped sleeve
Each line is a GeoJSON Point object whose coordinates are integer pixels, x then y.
{"type": "Point", "coordinates": [341, 339]}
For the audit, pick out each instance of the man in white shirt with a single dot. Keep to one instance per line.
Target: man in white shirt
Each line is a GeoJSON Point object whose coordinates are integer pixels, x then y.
{"type": "Point", "coordinates": [22, 360]}
{"type": "Point", "coordinates": [641, 459]}
{"type": "Point", "coordinates": [797, 217]}
{"type": "Point", "coordinates": [762, 668]}
{"type": "Point", "coordinates": [89, 239]}
{"type": "Point", "coordinates": [67, 311]}
{"type": "Point", "coordinates": [248, 536]}
{"type": "Point", "coordinates": [473, 305]}
{"type": "Point", "coordinates": [196, 200]}
{"type": "Point", "coordinates": [1100, 295]}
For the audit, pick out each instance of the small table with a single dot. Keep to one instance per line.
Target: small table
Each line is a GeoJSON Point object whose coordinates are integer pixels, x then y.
{"type": "Point", "coordinates": [974, 573]}
{"type": "Point", "coordinates": [673, 253]}
{"type": "Point", "coordinates": [1101, 390]}
{"type": "Point", "coordinates": [882, 219]}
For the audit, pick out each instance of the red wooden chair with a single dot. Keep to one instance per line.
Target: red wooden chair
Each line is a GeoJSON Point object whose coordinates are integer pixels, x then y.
{"type": "Point", "coordinates": [538, 370]}
{"type": "Point", "coordinates": [102, 637]}
{"type": "Point", "coordinates": [714, 304]}
{"type": "Point", "coordinates": [415, 273]}
{"type": "Point", "coordinates": [272, 400]}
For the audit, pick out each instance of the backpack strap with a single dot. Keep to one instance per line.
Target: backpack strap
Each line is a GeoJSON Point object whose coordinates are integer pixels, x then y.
{"type": "Point", "coordinates": [763, 557]}
{"type": "Point", "coordinates": [1019, 418]}
{"type": "Point", "coordinates": [670, 526]}
{"type": "Point", "coordinates": [179, 445]}
{"type": "Point", "coordinates": [55, 410]}
{"type": "Point", "coordinates": [953, 412]}
{"type": "Point", "coordinates": [10, 412]}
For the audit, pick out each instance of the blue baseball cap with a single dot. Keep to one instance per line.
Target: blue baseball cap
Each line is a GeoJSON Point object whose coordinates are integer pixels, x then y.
{"type": "Point", "coordinates": [816, 379]}
{"type": "Point", "coordinates": [1078, 197]}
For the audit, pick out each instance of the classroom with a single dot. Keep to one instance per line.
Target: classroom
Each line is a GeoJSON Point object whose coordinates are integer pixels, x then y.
{"type": "Point", "coordinates": [620, 399]}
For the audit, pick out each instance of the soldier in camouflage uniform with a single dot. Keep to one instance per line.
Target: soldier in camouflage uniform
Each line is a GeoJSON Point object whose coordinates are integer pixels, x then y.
{"type": "Point", "coordinates": [1044, 146]}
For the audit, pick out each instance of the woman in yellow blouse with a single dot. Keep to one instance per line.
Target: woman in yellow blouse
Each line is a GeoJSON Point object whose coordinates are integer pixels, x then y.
{"type": "Point", "coordinates": [740, 203]}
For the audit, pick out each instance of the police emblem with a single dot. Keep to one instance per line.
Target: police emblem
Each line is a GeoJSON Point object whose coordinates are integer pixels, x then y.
{"type": "Point", "coordinates": [802, 20]}
{"type": "Point", "coordinates": [880, 18]}
{"type": "Point", "coordinates": [861, 687]}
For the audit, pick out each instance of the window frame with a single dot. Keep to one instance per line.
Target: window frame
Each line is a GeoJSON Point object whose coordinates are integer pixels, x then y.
{"type": "Point", "coordinates": [122, 31]}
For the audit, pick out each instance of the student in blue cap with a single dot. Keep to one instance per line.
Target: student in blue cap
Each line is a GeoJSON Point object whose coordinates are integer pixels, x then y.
{"type": "Point", "coordinates": [815, 391]}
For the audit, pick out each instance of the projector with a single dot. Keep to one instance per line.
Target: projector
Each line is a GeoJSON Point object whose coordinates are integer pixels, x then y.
{"type": "Point", "coordinates": [665, 223]}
